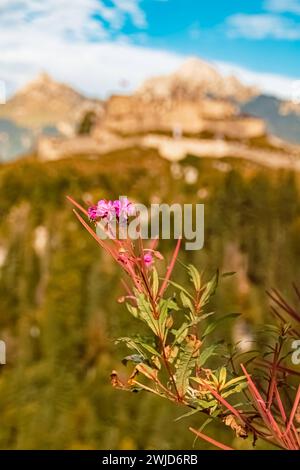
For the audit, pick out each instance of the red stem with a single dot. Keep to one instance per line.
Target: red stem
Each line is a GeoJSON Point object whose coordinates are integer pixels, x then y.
{"type": "Point", "coordinates": [210, 440]}
{"type": "Point", "coordinates": [170, 270]}
{"type": "Point", "coordinates": [294, 409]}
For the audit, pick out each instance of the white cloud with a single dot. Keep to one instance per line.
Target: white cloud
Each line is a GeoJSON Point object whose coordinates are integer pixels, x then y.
{"type": "Point", "coordinates": [79, 19]}
{"type": "Point", "coordinates": [132, 8]}
{"type": "Point", "coordinates": [73, 42]}
{"type": "Point", "coordinates": [263, 26]}
{"type": "Point", "coordinates": [97, 69]}
{"type": "Point", "coordinates": [65, 40]}
{"type": "Point", "coordinates": [283, 6]}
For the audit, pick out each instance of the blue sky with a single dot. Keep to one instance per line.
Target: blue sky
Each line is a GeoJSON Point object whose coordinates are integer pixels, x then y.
{"type": "Point", "coordinates": [98, 45]}
{"type": "Point", "coordinates": [257, 34]}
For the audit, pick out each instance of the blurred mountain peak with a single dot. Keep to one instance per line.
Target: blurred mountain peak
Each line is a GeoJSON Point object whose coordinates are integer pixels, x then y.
{"type": "Point", "coordinates": [43, 86]}
{"type": "Point", "coordinates": [42, 107]}
{"type": "Point", "coordinates": [194, 66]}
{"type": "Point", "coordinates": [47, 102]}
{"type": "Point", "coordinates": [41, 78]}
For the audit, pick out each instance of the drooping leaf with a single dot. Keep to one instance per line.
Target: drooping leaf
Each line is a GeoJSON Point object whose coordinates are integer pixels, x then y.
{"type": "Point", "coordinates": [131, 344]}
{"type": "Point", "coordinates": [206, 423]}
{"type": "Point", "coordinates": [149, 348]}
{"type": "Point", "coordinates": [204, 316]}
{"type": "Point", "coordinates": [139, 344]}
{"type": "Point", "coordinates": [135, 358]}
{"type": "Point", "coordinates": [214, 324]}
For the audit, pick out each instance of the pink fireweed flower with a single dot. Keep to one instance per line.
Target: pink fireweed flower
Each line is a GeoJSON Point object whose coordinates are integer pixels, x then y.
{"type": "Point", "coordinates": [124, 208]}
{"type": "Point", "coordinates": [148, 260]}
{"type": "Point", "coordinates": [119, 209]}
{"type": "Point", "coordinates": [111, 213]}
{"type": "Point", "coordinates": [102, 208]}
{"type": "Point", "coordinates": [92, 212]}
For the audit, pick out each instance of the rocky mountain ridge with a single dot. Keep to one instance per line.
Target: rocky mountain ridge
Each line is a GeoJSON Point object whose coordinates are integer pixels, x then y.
{"type": "Point", "coordinates": [45, 102]}
{"type": "Point", "coordinates": [196, 79]}
{"type": "Point", "coordinates": [195, 101]}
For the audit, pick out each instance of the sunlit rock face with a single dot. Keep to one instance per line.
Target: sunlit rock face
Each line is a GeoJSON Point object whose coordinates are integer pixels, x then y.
{"type": "Point", "coordinates": [40, 241]}
{"type": "Point", "coordinates": [3, 255]}
{"type": "Point", "coordinates": [243, 336]}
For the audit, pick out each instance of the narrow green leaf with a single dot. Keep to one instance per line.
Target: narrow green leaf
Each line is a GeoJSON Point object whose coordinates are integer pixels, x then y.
{"type": "Point", "coordinates": [145, 312]}
{"type": "Point", "coordinates": [222, 376]}
{"type": "Point", "coordinates": [195, 276]}
{"type": "Point", "coordinates": [206, 423]}
{"type": "Point", "coordinates": [237, 389]}
{"type": "Point", "coordinates": [229, 274]}
{"type": "Point", "coordinates": [210, 289]}
{"type": "Point", "coordinates": [131, 344]}
{"type": "Point", "coordinates": [132, 310]}
{"type": "Point", "coordinates": [186, 302]}
{"type": "Point", "coordinates": [188, 414]}
{"type": "Point", "coordinates": [206, 354]}
{"type": "Point", "coordinates": [182, 289]}
{"type": "Point", "coordinates": [155, 283]}
{"type": "Point", "coordinates": [213, 325]}
{"type": "Point", "coordinates": [181, 333]}
{"type": "Point", "coordinates": [150, 349]}
{"type": "Point", "coordinates": [165, 307]}
{"type": "Point", "coordinates": [234, 381]}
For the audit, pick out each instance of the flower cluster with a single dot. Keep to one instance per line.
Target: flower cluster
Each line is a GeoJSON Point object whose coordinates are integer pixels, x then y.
{"type": "Point", "coordinates": [119, 209]}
